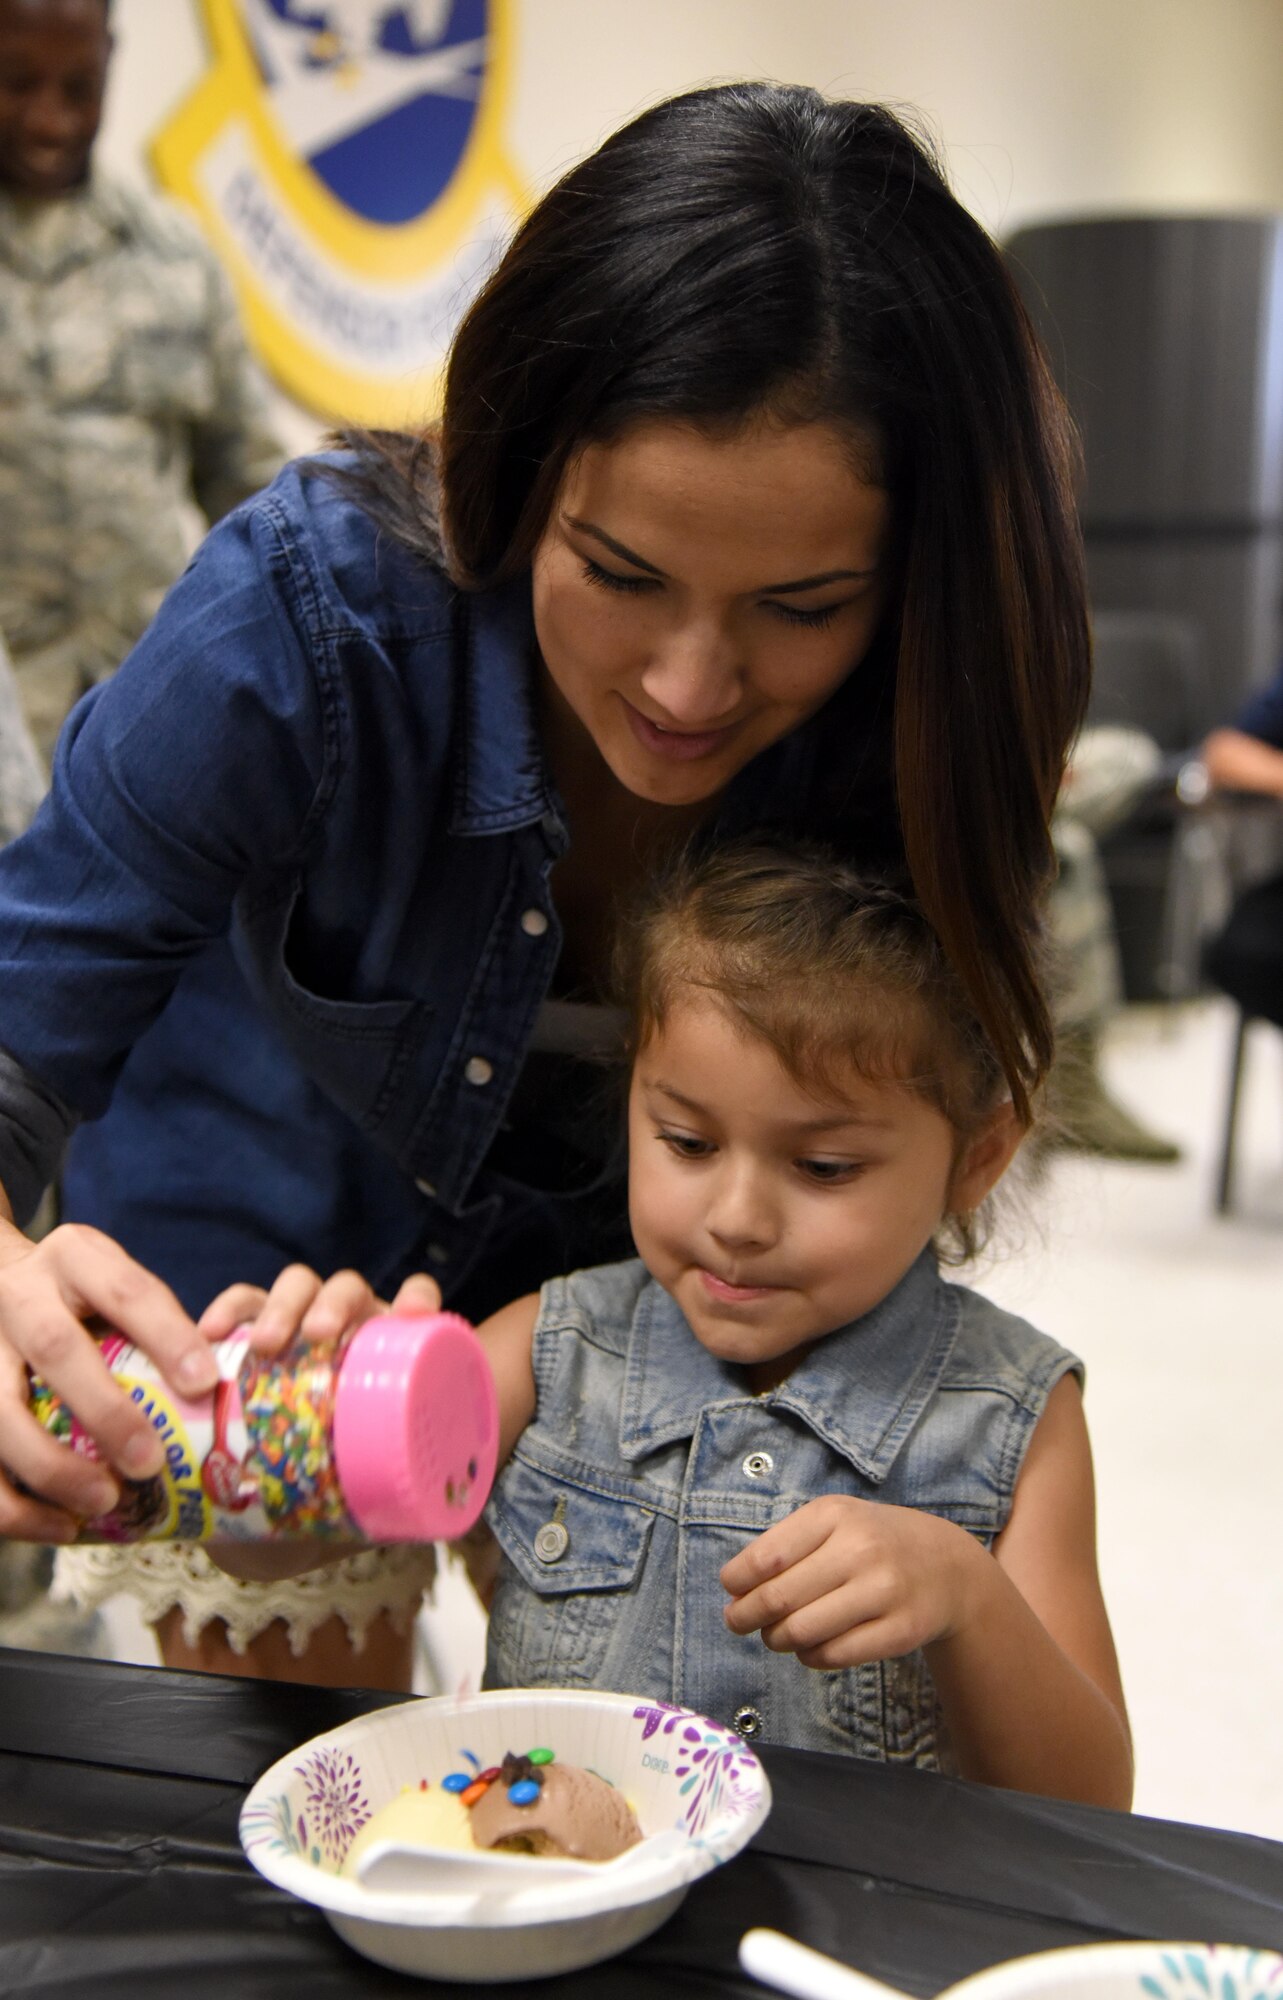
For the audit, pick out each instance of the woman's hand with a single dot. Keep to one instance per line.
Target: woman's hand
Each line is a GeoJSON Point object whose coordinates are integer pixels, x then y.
{"type": "Point", "coordinates": [844, 1581]}
{"type": "Point", "coordinates": [48, 1291]}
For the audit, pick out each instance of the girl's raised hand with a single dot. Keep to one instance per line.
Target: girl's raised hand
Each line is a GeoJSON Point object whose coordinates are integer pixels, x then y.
{"type": "Point", "coordinates": [843, 1581]}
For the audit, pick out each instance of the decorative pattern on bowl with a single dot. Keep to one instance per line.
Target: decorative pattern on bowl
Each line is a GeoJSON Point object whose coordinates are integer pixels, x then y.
{"type": "Point", "coordinates": [1136, 1970]}
{"type": "Point", "coordinates": [1213, 1972]}
{"type": "Point", "coordinates": [718, 1774]}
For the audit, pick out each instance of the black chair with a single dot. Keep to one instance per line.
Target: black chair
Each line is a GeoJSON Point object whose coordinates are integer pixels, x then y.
{"type": "Point", "coordinates": [1229, 1129]}
{"type": "Point", "coordinates": [1245, 962]}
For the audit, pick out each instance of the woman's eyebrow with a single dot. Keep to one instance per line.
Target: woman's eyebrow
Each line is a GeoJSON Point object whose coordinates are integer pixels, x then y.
{"type": "Point", "coordinates": [616, 548]}
{"type": "Point", "coordinates": [766, 590]}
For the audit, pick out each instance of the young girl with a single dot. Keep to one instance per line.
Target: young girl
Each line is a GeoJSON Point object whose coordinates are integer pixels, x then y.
{"type": "Point", "coordinates": [776, 1468]}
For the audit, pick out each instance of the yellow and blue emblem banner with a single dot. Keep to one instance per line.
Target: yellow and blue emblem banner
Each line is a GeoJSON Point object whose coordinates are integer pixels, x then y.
{"type": "Point", "coordinates": [347, 160]}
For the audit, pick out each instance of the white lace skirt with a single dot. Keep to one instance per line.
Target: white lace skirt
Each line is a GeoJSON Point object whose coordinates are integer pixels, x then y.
{"type": "Point", "coordinates": [162, 1575]}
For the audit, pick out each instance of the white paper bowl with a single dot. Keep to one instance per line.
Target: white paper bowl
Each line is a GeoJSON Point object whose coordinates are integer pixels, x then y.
{"type": "Point", "coordinates": [1133, 1972]}
{"type": "Point", "coordinates": [1124, 1971]}
{"type": "Point", "coordinates": [676, 1769]}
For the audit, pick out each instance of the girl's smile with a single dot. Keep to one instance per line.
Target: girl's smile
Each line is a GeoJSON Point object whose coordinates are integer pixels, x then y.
{"type": "Point", "coordinates": [727, 1293]}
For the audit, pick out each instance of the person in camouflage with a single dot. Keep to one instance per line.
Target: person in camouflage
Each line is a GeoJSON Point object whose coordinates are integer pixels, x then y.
{"type": "Point", "coordinates": [131, 406]}
{"type": "Point", "coordinates": [28, 1615]}
{"type": "Point", "coordinates": [1109, 770]}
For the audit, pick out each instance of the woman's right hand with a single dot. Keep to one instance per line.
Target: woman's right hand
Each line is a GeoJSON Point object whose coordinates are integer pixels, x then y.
{"type": "Point", "coordinates": [48, 1290]}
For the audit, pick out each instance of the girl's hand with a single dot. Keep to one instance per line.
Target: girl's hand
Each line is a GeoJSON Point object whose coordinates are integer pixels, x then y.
{"type": "Point", "coordinates": [842, 1582]}
{"type": "Point", "coordinates": [302, 1305]}
{"type": "Point", "coordinates": [48, 1291]}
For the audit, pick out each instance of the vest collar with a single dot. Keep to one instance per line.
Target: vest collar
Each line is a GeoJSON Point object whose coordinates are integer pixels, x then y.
{"type": "Point", "coordinates": [861, 1389]}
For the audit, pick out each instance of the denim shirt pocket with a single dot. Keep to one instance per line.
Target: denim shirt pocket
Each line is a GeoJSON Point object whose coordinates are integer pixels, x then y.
{"type": "Point", "coordinates": [358, 1050]}
{"type": "Point", "coordinates": [553, 1619]}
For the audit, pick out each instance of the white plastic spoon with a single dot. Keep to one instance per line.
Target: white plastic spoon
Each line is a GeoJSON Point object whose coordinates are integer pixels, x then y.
{"type": "Point", "coordinates": [406, 1867]}
{"type": "Point", "coordinates": [794, 1968]}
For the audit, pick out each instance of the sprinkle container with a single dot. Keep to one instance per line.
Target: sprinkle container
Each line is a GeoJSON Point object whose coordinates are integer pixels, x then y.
{"type": "Point", "coordinates": [391, 1435]}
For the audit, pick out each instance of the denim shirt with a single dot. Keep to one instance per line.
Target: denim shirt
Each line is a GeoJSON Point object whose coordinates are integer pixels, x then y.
{"type": "Point", "coordinates": [287, 910]}
{"type": "Point", "coordinates": [653, 1465]}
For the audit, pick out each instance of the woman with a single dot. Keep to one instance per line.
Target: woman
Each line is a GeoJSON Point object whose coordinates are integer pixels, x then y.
{"type": "Point", "coordinates": [750, 507]}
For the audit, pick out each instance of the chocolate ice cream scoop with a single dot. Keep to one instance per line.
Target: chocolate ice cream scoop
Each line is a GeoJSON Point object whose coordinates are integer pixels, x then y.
{"type": "Point", "coordinates": [575, 1813]}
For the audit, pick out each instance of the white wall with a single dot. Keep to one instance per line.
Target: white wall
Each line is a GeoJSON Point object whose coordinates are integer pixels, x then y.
{"type": "Point", "coordinates": [1043, 107]}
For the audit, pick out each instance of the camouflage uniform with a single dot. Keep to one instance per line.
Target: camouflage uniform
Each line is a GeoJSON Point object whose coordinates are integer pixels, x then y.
{"type": "Point", "coordinates": [28, 1616]}
{"type": "Point", "coordinates": [127, 395]}
{"type": "Point", "coordinates": [1109, 770]}
{"type": "Point", "coordinates": [22, 775]}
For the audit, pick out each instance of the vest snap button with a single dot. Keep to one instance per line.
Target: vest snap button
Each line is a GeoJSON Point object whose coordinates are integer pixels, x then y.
{"type": "Point", "coordinates": [551, 1542]}
{"type": "Point", "coordinates": [746, 1722]}
{"type": "Point", "coordinates": [478, 1070]}
{"type": "Point", "coordinates": [534, 923]}
{"type": "Point", "coordinates": [757, 1465]}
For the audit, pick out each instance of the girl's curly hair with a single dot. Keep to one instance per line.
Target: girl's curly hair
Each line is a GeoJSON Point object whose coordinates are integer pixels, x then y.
{"type": "Point", "coordinates": [833, 970]}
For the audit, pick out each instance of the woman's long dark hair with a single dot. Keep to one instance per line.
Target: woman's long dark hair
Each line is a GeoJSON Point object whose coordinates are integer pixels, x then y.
{"type": "Point", "coordinates": [753, 247]}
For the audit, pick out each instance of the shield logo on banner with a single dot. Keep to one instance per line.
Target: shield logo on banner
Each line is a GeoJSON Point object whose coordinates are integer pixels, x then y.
{"type": "Point", "coordinates": [346, 158]}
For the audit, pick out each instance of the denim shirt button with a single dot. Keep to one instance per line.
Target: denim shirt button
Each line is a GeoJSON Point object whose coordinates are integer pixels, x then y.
{"type": "Point", "coordinates": [551, 1542]}
{"type": "Point", "coordinates": [426, 1188]}
{"type": "Point", "coordinates": [746, 1722]}
{"type": "Point", "coordinates": [534, 923]}
{"type": "Point", "coordinates": [438, 1253]}
{"type": "Point", "coordinates": [478, 1070]}
{"type": "Point", "coordinates": [757, 1465]}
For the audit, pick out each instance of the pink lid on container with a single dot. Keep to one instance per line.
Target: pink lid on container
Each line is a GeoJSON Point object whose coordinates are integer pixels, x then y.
{"type": "Point", "coordinates": [416, 1427]}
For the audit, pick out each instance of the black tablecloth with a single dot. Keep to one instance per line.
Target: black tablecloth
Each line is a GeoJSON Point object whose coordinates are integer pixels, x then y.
{"type": "Point", "coordinates": [121, 1876]}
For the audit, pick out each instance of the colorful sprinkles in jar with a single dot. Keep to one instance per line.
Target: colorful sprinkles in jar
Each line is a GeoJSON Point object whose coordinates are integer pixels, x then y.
{"type": "Point", "coordinates": [288, 1404]}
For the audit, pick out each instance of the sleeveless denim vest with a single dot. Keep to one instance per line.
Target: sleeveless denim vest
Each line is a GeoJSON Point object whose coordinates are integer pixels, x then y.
{"type": "Point", "coordinates": [649, 1465]}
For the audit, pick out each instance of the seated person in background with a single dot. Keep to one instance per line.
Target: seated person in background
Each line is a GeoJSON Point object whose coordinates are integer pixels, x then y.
{"type": "Point", "coordinates": [1109, 770]}
{"type": "Point", "coordinates": [777, 1469]}
{"type": "Point", "coordinates": [129, 395]}
{"type": "Point", "coordinates": [1245, 959]}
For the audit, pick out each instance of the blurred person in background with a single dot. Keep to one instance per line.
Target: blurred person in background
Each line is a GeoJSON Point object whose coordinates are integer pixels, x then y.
{"type": "Point", "coordinates": [28, 1616]}
{"type": "Point", "coordinates": [127, 394]}
{"type": "Point", "coordinates": [1245, 959]}
{"type": "Point", "coordinates": [127, 400]}
{"type": "Point", "coordinates": [1109, 771]}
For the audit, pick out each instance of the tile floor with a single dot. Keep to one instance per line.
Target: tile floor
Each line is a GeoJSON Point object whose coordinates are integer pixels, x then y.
{"type": "Point", "coordinates": [1179, 1317]}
